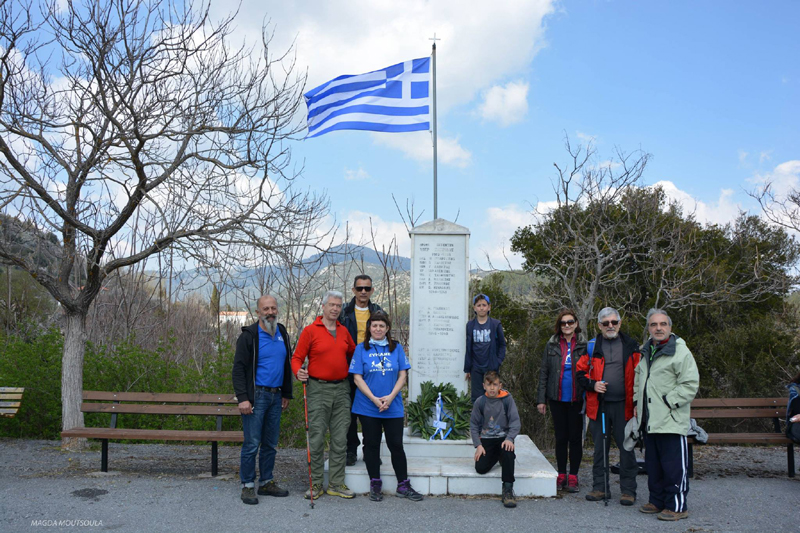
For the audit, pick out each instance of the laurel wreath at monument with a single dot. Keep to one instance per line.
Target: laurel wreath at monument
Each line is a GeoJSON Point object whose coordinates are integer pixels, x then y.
{"type": "Point", "coordinates": [457, 411]}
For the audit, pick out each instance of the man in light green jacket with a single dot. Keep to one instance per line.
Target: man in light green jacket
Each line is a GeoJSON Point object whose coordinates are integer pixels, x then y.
{"type": "Point", "coordinates": [665, 384]}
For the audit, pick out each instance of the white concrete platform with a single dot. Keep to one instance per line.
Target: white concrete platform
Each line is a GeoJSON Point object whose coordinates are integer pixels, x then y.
{"type": "Point", "coordinates": [448, 467]}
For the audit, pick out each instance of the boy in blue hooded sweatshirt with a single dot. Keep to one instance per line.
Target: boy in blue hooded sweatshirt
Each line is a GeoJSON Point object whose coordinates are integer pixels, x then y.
{"type": "Point", "coordinates": [486, 345]}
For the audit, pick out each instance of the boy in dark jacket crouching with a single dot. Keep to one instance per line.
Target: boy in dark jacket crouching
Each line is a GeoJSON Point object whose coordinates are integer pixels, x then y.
{"type": "Point", "coordinates": [494, 425]}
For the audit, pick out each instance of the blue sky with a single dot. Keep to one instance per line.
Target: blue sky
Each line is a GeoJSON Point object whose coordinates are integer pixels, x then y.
{"type": "Point", "coordinates": [710, 89]}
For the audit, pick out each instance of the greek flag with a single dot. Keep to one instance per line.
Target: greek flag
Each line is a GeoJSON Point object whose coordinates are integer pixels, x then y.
{"type": "Point", "coordinates": [395, 99]}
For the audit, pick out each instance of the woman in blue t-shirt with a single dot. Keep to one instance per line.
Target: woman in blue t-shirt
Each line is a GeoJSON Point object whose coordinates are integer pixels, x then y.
{"type": "Point", "coordinates": [380, 368]}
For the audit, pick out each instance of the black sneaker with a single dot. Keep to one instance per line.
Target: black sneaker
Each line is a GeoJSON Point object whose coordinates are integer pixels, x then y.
{"type": "Point", "coordinates": [351, 458]}
{"type": "Point", "coordinates": [509, 500]}
{"type": "Point", "coordinates": [270, 488]}
{"type": "Point", "coordinates": [249, 495]}
{"type": "Point", "coordinates": [405, 490]}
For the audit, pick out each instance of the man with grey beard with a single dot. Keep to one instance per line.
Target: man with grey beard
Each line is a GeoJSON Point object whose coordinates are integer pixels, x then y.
{"type": "Point", "coordinates": [607, 374]}
{"type": "Point", "coordinates": [262, 380]}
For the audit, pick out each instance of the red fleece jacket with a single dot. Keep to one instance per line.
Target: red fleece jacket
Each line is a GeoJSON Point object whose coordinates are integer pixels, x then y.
{"type": "Point", "coordinates": [328, 358]}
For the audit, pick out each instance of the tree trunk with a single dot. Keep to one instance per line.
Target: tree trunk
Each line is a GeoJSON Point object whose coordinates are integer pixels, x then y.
{"type": "Point", "coordinates": [72, 377]}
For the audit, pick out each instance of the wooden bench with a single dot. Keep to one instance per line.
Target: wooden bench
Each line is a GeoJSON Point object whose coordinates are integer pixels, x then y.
{"type": "Point", "coordinates": [745, 408]}
{"type": "Point", "coordinates": [119, 403]}
{"type": "Point", "coordinates": [10, 400]}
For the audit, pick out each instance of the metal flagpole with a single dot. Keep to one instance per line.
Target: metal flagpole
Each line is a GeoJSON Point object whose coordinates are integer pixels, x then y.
{"type": "Point", "coordinates": [435, 195]}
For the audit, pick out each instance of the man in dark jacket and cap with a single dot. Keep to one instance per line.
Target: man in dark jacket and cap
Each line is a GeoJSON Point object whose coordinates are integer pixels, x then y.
{"type": "Point", "coordinates": [262, 381]}
{"type": "Point", "coordinates": [354, 317]}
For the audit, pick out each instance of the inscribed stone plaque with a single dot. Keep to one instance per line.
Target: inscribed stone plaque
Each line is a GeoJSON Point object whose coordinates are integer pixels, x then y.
{"type": "Point", "coordinates": [439, 292]}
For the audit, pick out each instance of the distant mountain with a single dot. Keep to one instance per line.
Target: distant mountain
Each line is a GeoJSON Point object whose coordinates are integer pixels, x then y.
{"type": "Point", "coordinates": [346, 252]}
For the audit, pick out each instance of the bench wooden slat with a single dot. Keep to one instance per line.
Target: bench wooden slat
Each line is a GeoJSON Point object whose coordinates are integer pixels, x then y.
{"type": "Point", "coordinates": [738, 402]}
{"type": "Point", "coordinates": [153, 409]}
{"type": "Point", "coordinates": [747, 438]}
{"type": "Point", "coordinates": [739, 413]}
{"type": "Point", "coordinates": [9, 413]}
{"type": "Point", "coordinates": [158, 397]}
{"type": "Point", "coordinates": [10, 404]}
{"type": "Point", "coordinates": [153, 434]}
{"type": "Point", "coordinates": [12, 389]}
{"type": "Point", "coordinates": [11, 396]}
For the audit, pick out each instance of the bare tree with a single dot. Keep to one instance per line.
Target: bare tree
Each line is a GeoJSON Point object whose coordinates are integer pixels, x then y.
{"type": "Point", "coordinates": [610, 241]}
{"type": "Point", "coordinates": [134, 118]}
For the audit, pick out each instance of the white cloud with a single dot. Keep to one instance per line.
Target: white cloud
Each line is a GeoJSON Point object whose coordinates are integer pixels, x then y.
{"type": "Point", "coordinates": [363, 227]}
{"type": "Point", "coordinates": [765, 155]}
{"type": "Point", "coordinates": [355, 175]}
{"type": "Point", "coordinates": [722, 211]}
{"type": "Point", "coordinates": [742, 156]}
{"type": "Point", "coordinates": [419, 147]}
{"type": "Point", "coordinates": [782, 178]}
{"type": "Point", "coordinates": [505, 105]}
{"type": "Point", "coordinates": [586, 137]}
{"type": "Point", "coordinates": [494, 245]}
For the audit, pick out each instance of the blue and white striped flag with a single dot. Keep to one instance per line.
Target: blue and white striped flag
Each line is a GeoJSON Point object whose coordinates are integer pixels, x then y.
{"type": "Point", "coordinates": [395, 99]}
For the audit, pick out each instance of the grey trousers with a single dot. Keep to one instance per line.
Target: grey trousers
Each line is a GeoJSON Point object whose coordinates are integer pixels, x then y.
{"type": "Point", "coordinates": [328, 410]}
{"type": "Point", "coordinates": [615, 426]}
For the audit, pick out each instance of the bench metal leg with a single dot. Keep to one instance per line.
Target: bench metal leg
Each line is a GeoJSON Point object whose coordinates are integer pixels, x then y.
{"type": "Point", "coordinates": [214, 459]}
{"type": "Point", "coordinates": [104, 457]}
{"type": "Point", "coordinates": [790, 458]}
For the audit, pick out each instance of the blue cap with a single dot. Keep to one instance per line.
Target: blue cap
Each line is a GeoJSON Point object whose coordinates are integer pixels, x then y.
{"type": "Point", "coordinates": [474, 298]}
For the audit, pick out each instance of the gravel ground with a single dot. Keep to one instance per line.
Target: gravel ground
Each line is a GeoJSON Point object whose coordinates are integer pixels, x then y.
{"type": "Point", "coordinates": [154, 487]}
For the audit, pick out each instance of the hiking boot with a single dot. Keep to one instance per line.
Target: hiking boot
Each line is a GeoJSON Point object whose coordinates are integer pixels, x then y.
{"type": "Point", "coordinates": [351, 458]}
{"type": "Point", "coordinates": [596, 496]}
{"type": "Point", "coordinates": [317, 490]}
{"type": "Point", "coordinates": [509, 500]}
{"type": "Point", "coordinates": [375, 494]}
{"type": "Point", "coordinates": [405, 490]}
{"type": "Point", "coordinates": [671, 516]}
{"type": "Point", "coordinates": [572, 483]}
{"type": "Point", "coordinates": [649, 508]}
{"type": "Point", "coordinates": [249, 495]}
{"type": "Point", "coordinates": [340, 490]}
{"type": "Point", "coordinates": [561, 482]}
{"type": "Point", "coordinates": [627, 499]}
{"type": "Point", "coordinates": [270, 488]}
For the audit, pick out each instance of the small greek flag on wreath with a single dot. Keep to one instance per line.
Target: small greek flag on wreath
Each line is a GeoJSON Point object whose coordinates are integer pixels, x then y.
{"type": "Point", "coordinates": [440, 418]}
{"type": "Point", "coordinates": [393, 99]}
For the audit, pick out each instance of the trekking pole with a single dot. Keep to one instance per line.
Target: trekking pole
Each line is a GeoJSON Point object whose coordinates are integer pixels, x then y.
{"type": "Point", "coordinates": [605, 452]}
{"type": "Point", "coordinates": [308, 447]}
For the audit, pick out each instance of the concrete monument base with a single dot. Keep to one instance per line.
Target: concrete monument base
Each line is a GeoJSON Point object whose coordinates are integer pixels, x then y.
{"type": "Point", "coordinates": [448, 467]}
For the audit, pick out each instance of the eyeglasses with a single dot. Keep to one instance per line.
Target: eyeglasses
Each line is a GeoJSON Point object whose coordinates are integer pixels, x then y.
{"type": "Point", "coordinates": [567, 322]}
{"type": "Point", "coordinates": [608, 323]}
{"type": "Point", "coordinates": [362, 289]}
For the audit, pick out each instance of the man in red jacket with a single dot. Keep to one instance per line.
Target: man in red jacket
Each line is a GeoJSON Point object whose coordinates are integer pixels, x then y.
{"type": "Point", "coordinates": [607, 374]}
{"type": "Point", "coordinates": [329, 348]}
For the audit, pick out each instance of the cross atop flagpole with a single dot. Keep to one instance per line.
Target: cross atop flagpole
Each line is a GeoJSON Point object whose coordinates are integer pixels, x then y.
{"type": "Point", "coordinates": [433, 121]}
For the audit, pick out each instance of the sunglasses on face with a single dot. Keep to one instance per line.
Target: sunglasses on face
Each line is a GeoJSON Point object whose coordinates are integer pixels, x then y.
{"type": "Point", "coordinates": [608, 323]}
{"type": "Point", "coordinates": [362, 289]}
{"type": "Point", "coordinates": [567, 322]}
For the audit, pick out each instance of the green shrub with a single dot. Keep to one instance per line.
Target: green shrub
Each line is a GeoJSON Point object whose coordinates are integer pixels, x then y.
{"type": "Point", "coordinates": [35, 364]}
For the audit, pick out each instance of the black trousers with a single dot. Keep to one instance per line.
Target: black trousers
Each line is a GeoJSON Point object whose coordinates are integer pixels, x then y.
{"type": "Point", "coordinates": [666, 458]}
{"type": "Point", "coordinates": [352, 431]}
{"type": "Point", "coordinates": [568, 423]}
{"type": "Point", "coordinates": [494, 453]}
{"type": "Point", "coordinates": [615, 427]}
{"type": "Point", "coordinates": [476, 382]}
{"type": "Point", "coordinates": [392, 429]}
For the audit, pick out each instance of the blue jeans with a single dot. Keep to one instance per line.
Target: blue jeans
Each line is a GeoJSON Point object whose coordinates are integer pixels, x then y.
{"type": "Point", "coordinates": [261, 428]}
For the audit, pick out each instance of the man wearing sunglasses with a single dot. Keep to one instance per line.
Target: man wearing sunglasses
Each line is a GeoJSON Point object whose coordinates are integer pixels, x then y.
{"type": "Point", "coordinates": [607, 374]}
{"type": "Point", "coordinates": [354, 317]}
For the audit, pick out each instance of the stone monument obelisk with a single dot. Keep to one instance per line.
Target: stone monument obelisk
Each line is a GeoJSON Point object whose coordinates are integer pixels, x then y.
{"type": "Point", "coordinates": [439, 313]}
{"type": "Point", "coordinates": [439, 304]}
